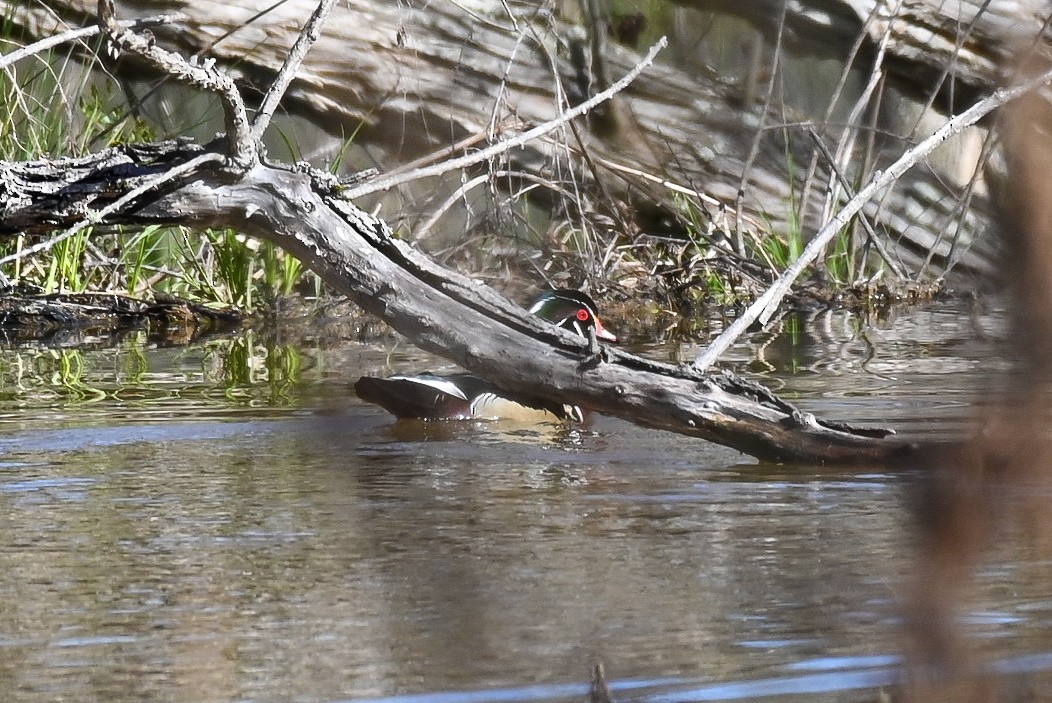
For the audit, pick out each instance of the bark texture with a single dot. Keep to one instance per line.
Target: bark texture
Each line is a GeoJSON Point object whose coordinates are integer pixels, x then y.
{"type": "Point", "coordinates": [955, 52]}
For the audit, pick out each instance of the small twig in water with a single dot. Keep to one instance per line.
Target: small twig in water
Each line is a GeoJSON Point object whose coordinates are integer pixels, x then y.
{"type": "Point", "coordinates": [599, 691]}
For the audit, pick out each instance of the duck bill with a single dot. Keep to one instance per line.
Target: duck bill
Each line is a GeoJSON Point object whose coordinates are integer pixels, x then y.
{"type": "Point", "coordinates": [603, 333]}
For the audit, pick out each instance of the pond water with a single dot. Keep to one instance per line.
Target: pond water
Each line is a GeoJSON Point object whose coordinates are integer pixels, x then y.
{"type": "Point", "coordinates": [227, 522]}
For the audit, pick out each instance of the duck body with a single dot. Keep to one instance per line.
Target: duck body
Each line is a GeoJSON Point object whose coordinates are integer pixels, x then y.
{"type": "Point", "coordinates": [464, 396]}
{"type": "Point", "coordinates": [461, 396]}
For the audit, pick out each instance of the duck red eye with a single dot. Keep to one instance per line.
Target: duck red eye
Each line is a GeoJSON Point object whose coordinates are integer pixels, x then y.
{"type": "Point", "coordinates": [582, 315]}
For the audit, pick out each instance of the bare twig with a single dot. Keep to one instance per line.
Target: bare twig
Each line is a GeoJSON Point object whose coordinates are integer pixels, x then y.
{"type": "Point", "coordinates": [874, 238]}
{"type": "Point", "coordinates": [990, 142]}
{"type": "Point", "coordinates": [592, 77]}
{"type": "Point", "coordinates": [846, 143]}
{"type": "Point", "coordinates": [306, 39]}
{"type": "Point", "coordinates": [964, 36]}
{"type": "Point", "coordinates": [440, 155]}
{"type": "Point", "coordinates": [241, 147]}
{"type": "Point", "coordinates": [421, 233]}
{"type": "Point", "coordinates": [754, 147]}
{"type": "Point", "coordinates": [508, 144]}
{"type": "Point", "coordinates": [765, 305]}
{"type": "Point", "coordinates": [82, 33]}
{"type": "Point", "coordinates": [876, 71]}
{"type": "Point", "coordinates": [626, 171]}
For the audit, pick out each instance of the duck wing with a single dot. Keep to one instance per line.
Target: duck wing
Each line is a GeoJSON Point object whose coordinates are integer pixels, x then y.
{"type": "Point", "coordinates": [424, 396]}
{"type": "Point", "coordinates": [461, 396]}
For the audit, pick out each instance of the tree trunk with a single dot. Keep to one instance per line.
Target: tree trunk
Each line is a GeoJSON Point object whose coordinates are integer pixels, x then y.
{"type": "Point", "coordinates": [951, 53]}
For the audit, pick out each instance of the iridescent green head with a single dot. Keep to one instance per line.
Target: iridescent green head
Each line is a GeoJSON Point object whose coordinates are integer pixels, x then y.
{"type": "Point", "coordinates": [571, 310]}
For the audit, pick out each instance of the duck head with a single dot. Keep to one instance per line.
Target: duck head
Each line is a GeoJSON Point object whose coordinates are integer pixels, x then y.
{"type": "Point", "coordinates": [572, 310]}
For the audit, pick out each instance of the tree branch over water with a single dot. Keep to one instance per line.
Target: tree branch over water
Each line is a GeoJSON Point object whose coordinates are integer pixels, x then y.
{"type": "Point", "coordinates": [307, 213]}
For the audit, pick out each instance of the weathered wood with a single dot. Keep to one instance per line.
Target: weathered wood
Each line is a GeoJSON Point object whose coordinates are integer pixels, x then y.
{"type": "Point", "coordinates": [103, 320]}
{"type": "Point", "coordinates": [955, 51]}
{"type": "Point", "coordinates": [439, 310]}
{"type": "Point", "coordinates": [417, 80]}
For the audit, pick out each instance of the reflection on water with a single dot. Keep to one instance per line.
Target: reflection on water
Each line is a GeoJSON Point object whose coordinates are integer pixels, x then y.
{"type": "Point", "coordinates": [227, 522]}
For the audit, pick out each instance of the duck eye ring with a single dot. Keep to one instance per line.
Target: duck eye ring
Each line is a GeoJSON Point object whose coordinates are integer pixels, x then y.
{"type": "Point", "coordinates": [582, 315]}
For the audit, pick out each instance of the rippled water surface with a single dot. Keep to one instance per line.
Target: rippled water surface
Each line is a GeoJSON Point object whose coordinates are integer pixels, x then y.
{"type": "Point", "coordinates": [227, 522]}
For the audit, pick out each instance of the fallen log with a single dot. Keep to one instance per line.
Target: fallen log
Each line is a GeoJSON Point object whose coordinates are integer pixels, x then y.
{"type": "Point", "coordinates": [304, 211]}
{"type": "Point", "coordinates": [439, 310]}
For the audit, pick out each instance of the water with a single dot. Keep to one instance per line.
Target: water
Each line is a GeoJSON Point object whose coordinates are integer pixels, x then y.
{"type": "Point", "coordinates": [226, 522]}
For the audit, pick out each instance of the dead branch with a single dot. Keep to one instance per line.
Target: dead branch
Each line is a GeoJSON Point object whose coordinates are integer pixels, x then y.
{"type": "Point", "coordinates": [174, 173]}
{"type": "Point", "coordinates": [845, 184]}
{"type": "Point", "coordinates": [281, 83]}
{"type": "Point", "coordinates": [510, 143]}
{"type": "Point", "coordinates": [763, 307]}
{"type": "Point", "coordinates": [51, 42]}
{"type": "Point", "coordinates": [242, 148]}
{"type": "Point", "coordinates": [307, 213]}
{"type": "Point", "coordinates": [445, 312]}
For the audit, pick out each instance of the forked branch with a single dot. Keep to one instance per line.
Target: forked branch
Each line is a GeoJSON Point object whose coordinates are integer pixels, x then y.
{"type": "Point", "coordinates": [242, 147]}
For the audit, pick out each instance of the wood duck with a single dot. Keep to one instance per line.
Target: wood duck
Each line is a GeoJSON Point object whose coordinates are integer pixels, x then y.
{"type": "Point", "coordinates": [464, 396]}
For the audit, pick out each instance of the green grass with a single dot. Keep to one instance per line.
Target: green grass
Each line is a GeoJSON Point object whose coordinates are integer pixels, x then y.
{"type": "Point", "coordinates": [245, 369]}
{"type": "Point", "coordinates": [779, 251]}
{"type": "Point", "coordinates": [696, 262]}
{"type": "Point", "coordinates": [246, 365]}
{"type": "Point", "coordinates": [53, 106]}
{"type": "Point", "coordinates": [842, 262]}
